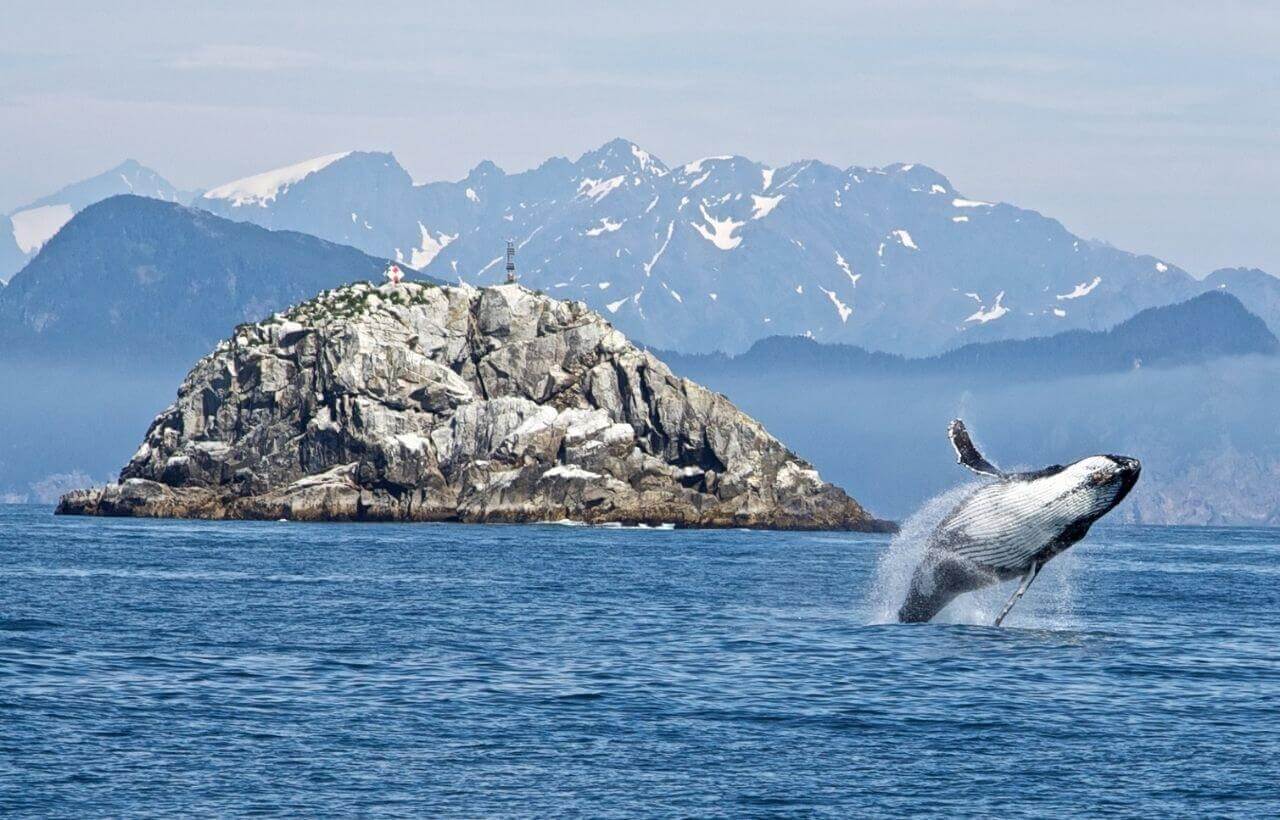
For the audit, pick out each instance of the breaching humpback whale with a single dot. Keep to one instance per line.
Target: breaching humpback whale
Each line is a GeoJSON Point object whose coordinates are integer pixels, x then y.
{"type": "Point", "coordinates": [1012, 526]}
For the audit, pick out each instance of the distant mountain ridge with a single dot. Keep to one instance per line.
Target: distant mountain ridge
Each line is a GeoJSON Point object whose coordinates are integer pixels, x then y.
{"type": "Point", "coordinates": [1206, 327]}
{"type": "Point", "coordinates": [133, 278]}
{"type": "Point", "coordinates": [720, 252]}
{"type": "Point", "coordinates": [24, 231]}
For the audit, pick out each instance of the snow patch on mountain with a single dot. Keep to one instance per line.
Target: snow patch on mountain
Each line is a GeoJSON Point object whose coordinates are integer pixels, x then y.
{"type": "Point", "coordinates": [905, 239]}
{"type": "Point", "coordinates": [648, 266]}
{"type": "Point", "coordinates": [762, 205]}
{"type": "Point", "coordinates": [606, 225]}
{"type": "Point", "coordinates": [1081, 289]}
{"type": "Point", "coordinates": [848, 271]}
{"type": "Point", "coordinates": [642, 156]}
{"type": "Point", "coordinates": [430, 248]}
{"type": "Point", "coordinates": [695, 167]}
{"type": "Point", "coordinates": [841, 308]}
{"type": "Point", "coordinates": [598, 189]}
{"type": "Point", "coordinates": [262, 189]}
{"type": "Point", "coordinates": [720, 232]}
{"type": "Point", "coordinates": [984, 315]}
{"type": "Point", "coordinates": [36, 226]}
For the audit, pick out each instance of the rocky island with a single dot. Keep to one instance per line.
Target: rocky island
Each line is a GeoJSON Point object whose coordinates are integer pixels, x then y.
{"type": "Point", "coordinates": [416, 402]}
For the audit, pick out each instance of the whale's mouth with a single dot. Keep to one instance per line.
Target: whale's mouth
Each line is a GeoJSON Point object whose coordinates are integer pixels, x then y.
{"type": "Point", "coordinates": [1127, 472]}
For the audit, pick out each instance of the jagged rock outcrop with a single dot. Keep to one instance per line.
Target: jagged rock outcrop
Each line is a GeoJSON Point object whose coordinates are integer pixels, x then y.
{"type": "Point", "coordinates": [423, 403]}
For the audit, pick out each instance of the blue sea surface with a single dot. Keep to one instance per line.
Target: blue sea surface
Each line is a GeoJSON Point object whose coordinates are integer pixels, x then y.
{"type": "Point", "coordinates": [212, 668]}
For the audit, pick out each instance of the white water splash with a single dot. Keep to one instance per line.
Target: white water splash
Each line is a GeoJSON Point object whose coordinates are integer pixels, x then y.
{"type": "Point", "coordinates": [1048, 604]}
{"type": "Point", "coordinates": [894, 569]}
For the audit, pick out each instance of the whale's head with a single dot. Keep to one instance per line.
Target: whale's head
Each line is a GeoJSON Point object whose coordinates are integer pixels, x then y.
{"type": "Point", "coordinates": [1102, 482]}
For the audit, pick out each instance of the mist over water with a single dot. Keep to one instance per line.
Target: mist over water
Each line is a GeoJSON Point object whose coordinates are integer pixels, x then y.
{"type": "Point", "coordinates": [1206, 434]}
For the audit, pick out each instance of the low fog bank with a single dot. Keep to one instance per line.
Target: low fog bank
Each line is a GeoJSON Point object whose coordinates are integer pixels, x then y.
{"type": "Point", "coordinates": [67, 426]}
{"type": "Point", "coordinates": [1208, 435]}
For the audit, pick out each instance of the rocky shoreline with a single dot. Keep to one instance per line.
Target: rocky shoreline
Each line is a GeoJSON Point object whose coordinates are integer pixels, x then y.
{"type": "Point", "coordinates": [413, 402]}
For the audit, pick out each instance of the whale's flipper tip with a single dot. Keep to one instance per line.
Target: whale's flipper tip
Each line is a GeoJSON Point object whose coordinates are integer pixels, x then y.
{"type": "Point", "coordinates": [1022, 589]}
{"type": "Point", "coordinates": [967, 454]}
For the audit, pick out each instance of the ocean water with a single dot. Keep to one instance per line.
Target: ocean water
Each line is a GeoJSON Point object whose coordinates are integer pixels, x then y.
{"type": "Point", "coordinates": [168, 667]}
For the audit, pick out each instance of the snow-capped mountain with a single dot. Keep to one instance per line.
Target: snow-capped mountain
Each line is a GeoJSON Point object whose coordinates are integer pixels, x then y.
{"type": "Point", "coordinates": [719, 252]}
{"type": "Point", "coordinates": [24, 231]}
{"type": "Point", "coordinates": [710, 255]}
{"type": "Point", "coordinates": [132, 281]}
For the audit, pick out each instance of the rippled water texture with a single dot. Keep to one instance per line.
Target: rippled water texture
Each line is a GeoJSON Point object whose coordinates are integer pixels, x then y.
{"type": "Point", "coordinates": [222, 668]}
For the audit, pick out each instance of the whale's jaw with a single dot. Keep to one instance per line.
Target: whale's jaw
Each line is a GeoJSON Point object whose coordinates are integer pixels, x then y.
{"type": "Point", "coordinates": [1128, 469]}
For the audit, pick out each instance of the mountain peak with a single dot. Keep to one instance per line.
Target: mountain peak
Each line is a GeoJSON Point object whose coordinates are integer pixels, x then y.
{"type": "Point", "coordinates": [485, 169]}
{"type": "Point", "coordinates": [381, 156]}
{"type": "Point", "coordinates": [918, 175]}
{"type": "Point", "coordinates": [620, 155]}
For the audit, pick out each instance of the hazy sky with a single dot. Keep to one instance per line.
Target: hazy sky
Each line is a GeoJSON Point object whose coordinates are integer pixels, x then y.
{"type": "Point", "coordinates": [1155, 126]}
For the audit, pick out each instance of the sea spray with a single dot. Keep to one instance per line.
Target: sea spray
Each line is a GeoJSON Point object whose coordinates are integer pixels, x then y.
{"type": "Point", "coordinates": [1048, 605]}
{"type": "Point", "coordinates": [895, 567]}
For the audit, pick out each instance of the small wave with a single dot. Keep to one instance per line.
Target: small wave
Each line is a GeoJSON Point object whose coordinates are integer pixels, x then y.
{"type": "Point", "coordinates": [233, 577]}
{"type": "Point", "coordinates": [26, 625]}
{"type": "Point", "coordinates": [609, 525]}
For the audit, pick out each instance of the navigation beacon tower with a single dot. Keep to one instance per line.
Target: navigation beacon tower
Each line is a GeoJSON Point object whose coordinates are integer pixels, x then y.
{"type": "Point", "coordinates": [511, 263]}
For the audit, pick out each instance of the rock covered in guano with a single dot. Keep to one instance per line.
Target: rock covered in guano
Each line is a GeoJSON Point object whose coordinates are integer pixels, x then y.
{"type": "Point", "coordinates": [412, 402]}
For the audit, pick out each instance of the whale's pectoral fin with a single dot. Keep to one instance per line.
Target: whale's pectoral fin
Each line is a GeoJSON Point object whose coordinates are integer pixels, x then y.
{"type": "Point", "coordinates": [967, 454]}
{"type": "Point", "coordinates": [1022, 588]}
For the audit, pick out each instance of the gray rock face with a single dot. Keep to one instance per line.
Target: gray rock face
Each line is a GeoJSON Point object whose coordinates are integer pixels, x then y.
{"type": "Point", "coordinates": [414, 402]}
